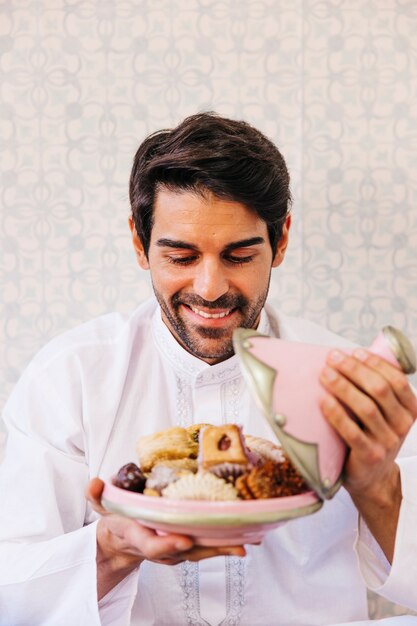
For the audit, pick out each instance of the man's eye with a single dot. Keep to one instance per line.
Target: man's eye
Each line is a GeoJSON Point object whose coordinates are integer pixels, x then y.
{"type": "Point", "coordinates": [239, 260]}
{"type": "Point", "coordinates": [181, 260]}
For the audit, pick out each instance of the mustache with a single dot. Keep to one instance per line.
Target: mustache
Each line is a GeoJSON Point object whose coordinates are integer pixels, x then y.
{"type": "Point", "coordinates": [224, 302]}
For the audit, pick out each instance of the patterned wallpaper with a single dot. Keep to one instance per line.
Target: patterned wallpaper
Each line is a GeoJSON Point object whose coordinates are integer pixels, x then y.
{"type": "Point", "coordinates": [332, 82]}
{"type": "Point", "coordinates": [82, 82]}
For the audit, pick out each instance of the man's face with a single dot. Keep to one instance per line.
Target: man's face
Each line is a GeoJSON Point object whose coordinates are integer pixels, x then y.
{"type": "Point", "coordinates": [210, 261]}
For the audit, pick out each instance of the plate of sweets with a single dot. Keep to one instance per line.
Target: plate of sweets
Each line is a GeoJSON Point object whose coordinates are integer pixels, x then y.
{"type": "Point", "coordinates": [213, 483]}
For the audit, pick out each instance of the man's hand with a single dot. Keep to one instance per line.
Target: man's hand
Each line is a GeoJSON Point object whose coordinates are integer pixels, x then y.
{"type": "Point", "coordinates": [123, 543]}
{"type": "Point", "coordinates": [371, 405]}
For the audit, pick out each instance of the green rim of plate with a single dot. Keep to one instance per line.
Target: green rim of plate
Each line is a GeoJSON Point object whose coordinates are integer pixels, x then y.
{"type": "Point", "coordinates": [188, 519]}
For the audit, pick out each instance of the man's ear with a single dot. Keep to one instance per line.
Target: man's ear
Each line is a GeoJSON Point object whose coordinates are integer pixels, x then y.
{"type": "Point", "coordinates": [141, 257]}
{"type": "Point", "coordinates": [282, 243]}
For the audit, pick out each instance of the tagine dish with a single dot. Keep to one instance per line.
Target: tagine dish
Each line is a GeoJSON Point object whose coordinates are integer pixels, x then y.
{"type": "Point", "coordinates": [210, 482]}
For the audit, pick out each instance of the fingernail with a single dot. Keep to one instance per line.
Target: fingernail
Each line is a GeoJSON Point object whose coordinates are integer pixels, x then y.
{"type": "Point", "coordinates": [329, 374]}
{"type": "Point", "coordinates": [360, 354]}
{"type": "Point", "coordinates": [336, 356]}
{"type": "Point", "coordinates": [183, 545]}
{"type": "Point", "coordinates": [328, 401]}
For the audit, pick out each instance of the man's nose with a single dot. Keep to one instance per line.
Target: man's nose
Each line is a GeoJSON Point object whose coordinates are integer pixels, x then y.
{"type": "Point", "coordinates": [210, 281]}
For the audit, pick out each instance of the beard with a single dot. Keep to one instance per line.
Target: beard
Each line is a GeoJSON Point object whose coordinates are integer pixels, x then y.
{"type": "Point", "coordinates": [210, 343]}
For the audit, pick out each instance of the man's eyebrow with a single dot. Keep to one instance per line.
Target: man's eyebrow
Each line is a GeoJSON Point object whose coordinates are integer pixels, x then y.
{"type": "Point", "coordinates": [173, 243]}
{"type": "Point", "coordinates": [184, 245]}
{"type": "Point", "coordinates": [245, 243]}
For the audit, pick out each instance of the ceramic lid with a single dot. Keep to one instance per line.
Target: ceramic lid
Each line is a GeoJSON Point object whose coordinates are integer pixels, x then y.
{"type": "Point", "coordinates": [283, 377]}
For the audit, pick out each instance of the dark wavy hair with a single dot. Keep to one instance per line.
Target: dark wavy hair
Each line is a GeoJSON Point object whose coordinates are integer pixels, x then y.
{"type": "Point", "coordinates": [207, 152]}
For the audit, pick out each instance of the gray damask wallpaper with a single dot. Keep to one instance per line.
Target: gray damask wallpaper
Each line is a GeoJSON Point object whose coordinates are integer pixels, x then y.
{"type": "Point", "coordinates": [332, 82]}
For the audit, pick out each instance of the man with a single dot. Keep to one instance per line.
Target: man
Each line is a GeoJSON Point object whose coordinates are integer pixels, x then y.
{"type": "Point", "coordinates": [210, 219]}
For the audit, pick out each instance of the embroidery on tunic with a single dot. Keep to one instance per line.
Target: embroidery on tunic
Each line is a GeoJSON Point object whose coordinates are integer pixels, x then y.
{"type": "Point", "coordinates": [188, 571]}
{"type": "Point", "coordinates": [214, 374]}
{"type": "Point", "coordinates": [235, 567]}
{"type": "Point", "coordinates": [173, 354]}
{"type": "Point", "coordinates": [231, 393]}
{"type": "Point", "coordinates": [235, 590]}
{"type": "Point", "coordinates": [184, 403]}
{"type": "Point", "coordinates": [189, 582]}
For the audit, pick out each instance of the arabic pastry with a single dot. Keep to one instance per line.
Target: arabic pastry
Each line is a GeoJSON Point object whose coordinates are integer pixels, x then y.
{"type": "Point", "coordinates": [163, 474]}
{"type": "Point", "coordinates": [173, 443]}
{"type": "Point", "coordinates": [200, 486]}
{"type": "Point", "coordinates": [271, 480]}
{"type": "Point", "coordinates": [228, 471]}
{"type": "Point", "coordinates": [221, 444]}
{"type": "Point", "coordinates": [179, 464]}
{"type": "Point", "coordinates": [194, 430]}
{"type": "Point", "coordinates": [266, 449]}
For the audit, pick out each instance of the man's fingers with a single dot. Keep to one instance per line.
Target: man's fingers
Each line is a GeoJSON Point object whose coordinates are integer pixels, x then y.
{"type": "Point", "coordinates": [93, 493]}
{"type": "Point", "coordinates": [199, 552]}
{"type": "Point", "coordinates": [371, 405]}
{"type": "Point", "coordinates": [350, 430]}
{"type": "Point", "coordinates": [362, 406]}
{"type": "Point", "coordinates": [171, 546]}
{"type": "Point", "coordinates": [154, 546]}
{"type": "Point", "coordinates": [169, 549]}
{"type": "Point", "coordinates": [397, 379]}
{"type": "Point", "coordinates": [379, 395]}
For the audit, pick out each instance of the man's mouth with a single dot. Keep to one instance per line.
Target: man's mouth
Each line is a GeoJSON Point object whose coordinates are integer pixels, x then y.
{"type": "Point", "coordinates": [211, 316]}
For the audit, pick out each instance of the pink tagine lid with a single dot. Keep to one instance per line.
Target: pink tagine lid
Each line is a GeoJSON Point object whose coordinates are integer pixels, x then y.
{"type": "Point", "coordinates": [284, 379]}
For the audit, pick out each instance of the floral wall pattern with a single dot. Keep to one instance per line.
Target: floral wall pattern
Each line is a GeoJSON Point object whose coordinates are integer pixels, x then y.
{"type": "Point", "coordinates": [332, 82]}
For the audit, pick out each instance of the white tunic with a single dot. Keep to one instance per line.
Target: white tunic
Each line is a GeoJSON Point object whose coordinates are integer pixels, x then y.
{"type": "Point", "coordinates": [77, 412]}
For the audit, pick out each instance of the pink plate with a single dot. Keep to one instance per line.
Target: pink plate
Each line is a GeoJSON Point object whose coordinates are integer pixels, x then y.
{"type": "Point", "coordinates": [210, 523]}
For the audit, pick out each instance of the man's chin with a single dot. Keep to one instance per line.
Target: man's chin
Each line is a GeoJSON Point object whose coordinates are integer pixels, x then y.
{"type": "Point", "coordinates": [212, 358]}
{"type": "Point", "coordinates": [210, 351]}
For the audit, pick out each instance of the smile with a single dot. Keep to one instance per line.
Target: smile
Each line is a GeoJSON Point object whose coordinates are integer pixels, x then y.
{"type": "Point", "coordinates": [213, 316]}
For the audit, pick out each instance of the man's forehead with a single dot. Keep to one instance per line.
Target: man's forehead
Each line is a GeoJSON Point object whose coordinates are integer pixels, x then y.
{"type": "Point", "coordinates": [192, 218]}
{"type": "Point", "coordinates": [194, 208]}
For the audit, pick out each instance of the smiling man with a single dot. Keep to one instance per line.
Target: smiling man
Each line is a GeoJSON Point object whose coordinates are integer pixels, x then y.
{"type": "Point", "coordinates": [210, 262]}
{"type": "Point", "coordinates": [210, 220]}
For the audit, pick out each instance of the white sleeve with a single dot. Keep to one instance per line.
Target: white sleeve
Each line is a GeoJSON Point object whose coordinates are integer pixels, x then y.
{"type": "Point", "coordinates": [43, 583]}
{"type": "Point", "coordinates": [396, 582]}
{"type": "Point", "coordinates": [48, 572]}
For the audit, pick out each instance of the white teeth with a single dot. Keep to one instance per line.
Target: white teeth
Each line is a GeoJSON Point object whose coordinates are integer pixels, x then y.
{"type": "Point", "coordinates": [214, 316]}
